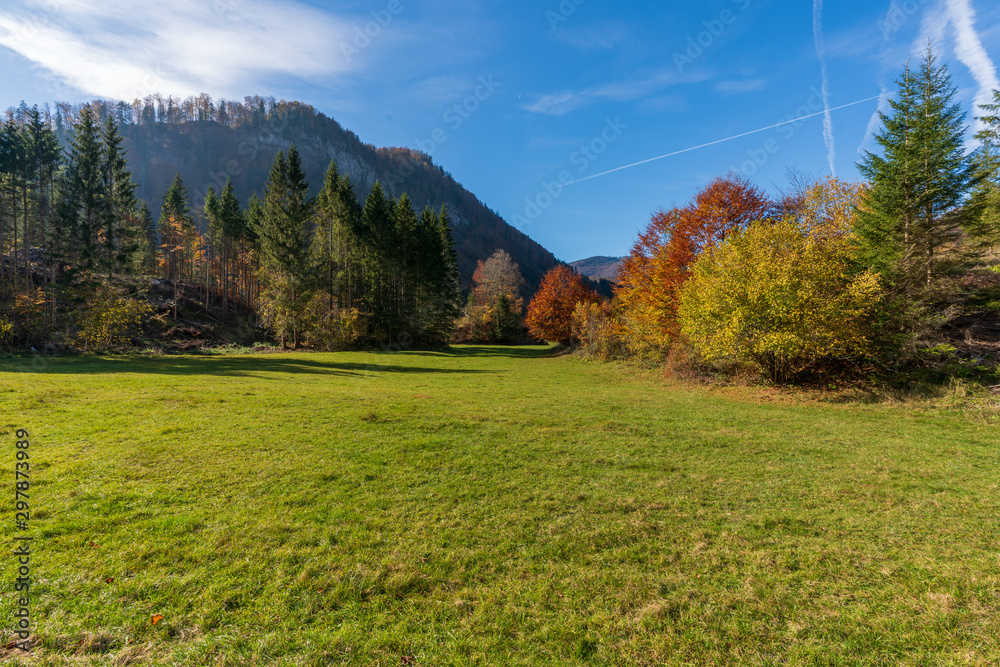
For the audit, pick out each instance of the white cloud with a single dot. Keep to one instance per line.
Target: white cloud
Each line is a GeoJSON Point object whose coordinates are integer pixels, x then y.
{"type": "Point", "coordinates": [124, 49]}
{"type": "Point", "coordinates": [970, 51]}
{"type": "Point", "coordinates": [556, 104]}
{"type": "Point", "coordinates": [932, 30]}
{"type": "Point", "coordinates": [563, 102]}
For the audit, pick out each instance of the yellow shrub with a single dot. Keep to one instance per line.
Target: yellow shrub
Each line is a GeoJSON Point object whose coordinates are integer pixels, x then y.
{"type": "Point", "coordinates": [779, 296]}
{"type": "Point", "coordinates": [599, 331]}
{"type": "Point", "coordinates": [111, 319]}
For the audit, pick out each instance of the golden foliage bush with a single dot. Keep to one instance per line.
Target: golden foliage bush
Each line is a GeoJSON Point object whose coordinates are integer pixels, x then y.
{"type": "Point", "coordinates": [779, 295]}
{"type": "Point", "coordinates": [333, 329]}
{"type": "Point", "coordinates": [598, 329]}
{"type": "Point", "coordinates": [111, 319]}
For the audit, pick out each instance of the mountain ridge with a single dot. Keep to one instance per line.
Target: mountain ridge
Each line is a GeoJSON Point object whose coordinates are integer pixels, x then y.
{"type": "Point", "coordinates": [599, 267]}
{"type": "Point", "coordinates": [207, 144]}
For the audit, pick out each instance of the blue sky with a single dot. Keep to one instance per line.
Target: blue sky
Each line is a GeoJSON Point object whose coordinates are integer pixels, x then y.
{"type": "Point", "coordinates": [518, 99]}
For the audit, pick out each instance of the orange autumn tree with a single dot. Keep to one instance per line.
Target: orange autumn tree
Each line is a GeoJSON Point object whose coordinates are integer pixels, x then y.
{"type": "Point", "coordinates": [651, 277]}
{"type": "Point", "coordinates": [550, 313]}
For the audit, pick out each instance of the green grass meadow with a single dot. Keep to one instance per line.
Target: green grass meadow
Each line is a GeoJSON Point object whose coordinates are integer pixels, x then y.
{"type": "Point", "coordinates": [489, 506]}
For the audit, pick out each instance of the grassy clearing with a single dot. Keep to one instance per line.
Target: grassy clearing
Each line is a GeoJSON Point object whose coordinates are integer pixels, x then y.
{"type": "Point", "coordinates": [492, 506]}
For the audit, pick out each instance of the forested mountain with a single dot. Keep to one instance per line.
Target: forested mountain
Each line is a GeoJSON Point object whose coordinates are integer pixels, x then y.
{"type": "Point", "coordinates": [208, 143]}
{"type": "Point", "coordinates": [599, 268]}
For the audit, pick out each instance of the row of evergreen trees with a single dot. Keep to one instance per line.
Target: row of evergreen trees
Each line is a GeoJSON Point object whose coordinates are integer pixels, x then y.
{"type": "Point", "coordinates": [67, 213]}
{"type": "Point", "coordinates": [326, 269]}
{"type": "Point", "coordinates": [326, 261]}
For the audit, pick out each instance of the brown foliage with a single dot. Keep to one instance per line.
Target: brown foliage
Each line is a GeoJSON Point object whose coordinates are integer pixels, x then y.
{"type": "Point", "coordinates": [550, 313]}
{"type": "Point", "coordinates": [650, 278]}
{"type": "Point", "coordinates": [495, 309]}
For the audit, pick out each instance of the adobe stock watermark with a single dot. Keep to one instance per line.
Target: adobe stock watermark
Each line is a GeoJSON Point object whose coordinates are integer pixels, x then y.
{"type": "Point", "coordinates": [453, 119]}
{"type": "Point", "coordinates": [563, 12]}
{"type": "Point", "coordinates": [38, 21]}
{"type": "Point", "coordinates": [791, 123]}
{"type": "Point", "coordinates": [698, 44]}
{"type": "Point", "coordinates": [365, 35]}
{"type": "Point", "coordinates": [458, 113]}
{"type": "Point", "coordinates": [582, 159]}
{"type": "Point", "coordinates": [900, 13]}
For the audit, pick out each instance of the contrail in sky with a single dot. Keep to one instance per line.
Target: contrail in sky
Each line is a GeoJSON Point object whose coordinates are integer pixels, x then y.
{"type": "Point", "coordinates": [831, 152]}
{"type": "Point", "coordinates": [719, 141]}
{"type": "Point", "coordinates": [970, 51]}
{"type": "Point", "coordinates": [876, 119]}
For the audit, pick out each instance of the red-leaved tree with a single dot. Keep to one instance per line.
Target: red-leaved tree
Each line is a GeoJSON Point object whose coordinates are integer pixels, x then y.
{"type": "Point", "coordinates": [650, 278]}
{"type": "Point", "coordinates": [550, 313]}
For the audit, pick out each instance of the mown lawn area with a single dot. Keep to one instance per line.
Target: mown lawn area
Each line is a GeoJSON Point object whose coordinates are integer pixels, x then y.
{"type": "Point", "coordinates": [489, 506]}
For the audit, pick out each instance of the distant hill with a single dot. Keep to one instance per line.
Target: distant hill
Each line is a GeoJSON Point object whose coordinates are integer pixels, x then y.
{"type": "Point", "coordinates": [597, 268]}
{"type": "Point", "coordinates": [207, 143]}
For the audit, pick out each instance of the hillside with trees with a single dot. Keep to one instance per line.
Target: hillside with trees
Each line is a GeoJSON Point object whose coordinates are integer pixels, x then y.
{"type": "Point", "coordinates": [210, 142]}
{"type": "Point", "coordinates": [333, 244]}
{"type": "Point", "coordinates": [86, 265]}
{"type": "Point", "coordinates": [599, 268]}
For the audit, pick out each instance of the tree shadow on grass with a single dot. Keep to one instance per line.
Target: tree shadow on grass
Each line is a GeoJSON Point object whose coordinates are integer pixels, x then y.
{"type": "Point", "coordinates": [498, 351]}
{"type": "Point", "coordinates": [225, 366]}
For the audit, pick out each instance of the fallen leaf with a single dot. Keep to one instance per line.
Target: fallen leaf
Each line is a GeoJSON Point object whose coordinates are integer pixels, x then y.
{"type": "Point", "coordinates": [156, 619]}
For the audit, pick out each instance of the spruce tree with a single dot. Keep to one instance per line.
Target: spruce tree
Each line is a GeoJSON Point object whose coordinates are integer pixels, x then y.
{"type": "Point", "coordinates": [174, 224]}
{"type": "Point", "coordinates": [227, 230]}
{"type": "Point", "coordinates": [914, 206]}
{"type": "Point", "coordinates": [43, 156]}
{"type": "Point", "coordinates": [121, 228]}
{"type": "Point", "coordinates": [327, 236]}
{"type": "Point", "coordinates": [145, 256]}
{"type": "Point", "coordinates": [449, 285]}
{"type": "Point", "coordinates": [377, 226]}
{"type": "Point", "coordinates": [284, 244]}
{"type": "Point", "coordinates": [404, 261]}
{"type": "Point", "coordinates": [985, 227]}
{"type": "Point", "coordinates": [84, 208]}
{"type": "Point", "coordinates": [351, 251]}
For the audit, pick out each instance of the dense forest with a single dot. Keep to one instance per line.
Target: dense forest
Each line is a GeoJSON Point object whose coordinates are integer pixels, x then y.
{"type": "Point", "coordinates": [79, 248]}
{"type": "Point", "coordinates": [209, 143]}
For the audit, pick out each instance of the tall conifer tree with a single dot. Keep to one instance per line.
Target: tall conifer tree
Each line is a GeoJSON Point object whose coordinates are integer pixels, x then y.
{"type": "Point", "coordinates": [284, 244]}
{"type": "Point", "coordinates": [919, 184]}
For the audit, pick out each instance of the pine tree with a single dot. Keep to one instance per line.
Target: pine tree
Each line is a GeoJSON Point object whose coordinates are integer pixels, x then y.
{"type": "Point", "coordinates": [284, 244]}
{"type": "Point", "coordinates": [985, 228]}
{"type": "Point", "coordinates": [919, 184]}
{"type": "Point", "coordinates": [121, 228]}
{"type": "Point", "coordinates": [174, 224]}
{"type": "Point", "coordinates": [84, 209]}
